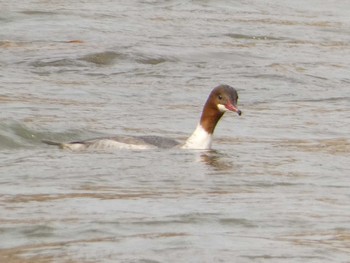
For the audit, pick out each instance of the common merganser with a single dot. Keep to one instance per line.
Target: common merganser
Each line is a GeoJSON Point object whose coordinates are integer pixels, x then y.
{"type": "Point", "coordinates": [222, 98]}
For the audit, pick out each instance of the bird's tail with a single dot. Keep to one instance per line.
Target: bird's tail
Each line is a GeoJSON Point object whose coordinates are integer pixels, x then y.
{"type": "Point", "coordinates": [52, 143]}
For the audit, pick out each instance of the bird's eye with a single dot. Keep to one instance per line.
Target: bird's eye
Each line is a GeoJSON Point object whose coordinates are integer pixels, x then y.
{"type": "Point", "coordinates": [220, 97]}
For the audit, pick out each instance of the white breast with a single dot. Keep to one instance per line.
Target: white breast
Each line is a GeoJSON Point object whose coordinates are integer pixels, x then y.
{"type": "Point", "coordinates": [200, 139]}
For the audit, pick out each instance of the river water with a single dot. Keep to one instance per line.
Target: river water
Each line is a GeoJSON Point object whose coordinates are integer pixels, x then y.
{"type": "Point", "coordinates": [275, 188]}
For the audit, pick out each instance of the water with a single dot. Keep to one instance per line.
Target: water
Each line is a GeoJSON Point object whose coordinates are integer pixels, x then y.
{"type": "Point", "coordinates": [274, 189]}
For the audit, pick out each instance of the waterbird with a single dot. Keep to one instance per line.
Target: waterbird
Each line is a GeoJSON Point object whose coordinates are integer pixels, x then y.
{"type": "Point", "coordinates": [221, 99]}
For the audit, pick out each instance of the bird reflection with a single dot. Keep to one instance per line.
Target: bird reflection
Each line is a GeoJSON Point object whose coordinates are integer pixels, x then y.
{"type": "Point", "coordinates": [216, 160]}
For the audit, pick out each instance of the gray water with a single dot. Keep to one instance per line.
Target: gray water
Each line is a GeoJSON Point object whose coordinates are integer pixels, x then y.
{"type": "Point", "coordinates": [275, 188]}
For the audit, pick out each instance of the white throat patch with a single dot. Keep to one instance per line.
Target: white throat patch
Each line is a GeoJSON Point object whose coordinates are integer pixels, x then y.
{"type": "Point", "coordinates": [222, 108]}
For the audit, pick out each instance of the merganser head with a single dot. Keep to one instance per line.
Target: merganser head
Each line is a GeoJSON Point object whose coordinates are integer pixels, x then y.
{"type": "Point", "coordinates": [222, 98]}
{"type": "Point", "coordinates": [225, 98]}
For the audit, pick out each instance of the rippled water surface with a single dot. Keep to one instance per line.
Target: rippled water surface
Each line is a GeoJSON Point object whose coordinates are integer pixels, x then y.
{"type": "Point", "coordinates": [276, 186]}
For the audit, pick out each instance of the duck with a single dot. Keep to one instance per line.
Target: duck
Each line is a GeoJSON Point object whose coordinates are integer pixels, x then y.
{"type": "Point", "coordinates": [221, 99]}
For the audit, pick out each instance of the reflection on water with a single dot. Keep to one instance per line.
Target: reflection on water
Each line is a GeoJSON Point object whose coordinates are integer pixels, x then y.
{"type": "Point", "coordinates": [274, 189]}
{"type": "Point", "coordinates": [213, 159]}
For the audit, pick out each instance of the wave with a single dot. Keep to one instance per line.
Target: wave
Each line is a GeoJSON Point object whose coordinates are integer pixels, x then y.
{"type": "Point", "coordinates": [17, 135]}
